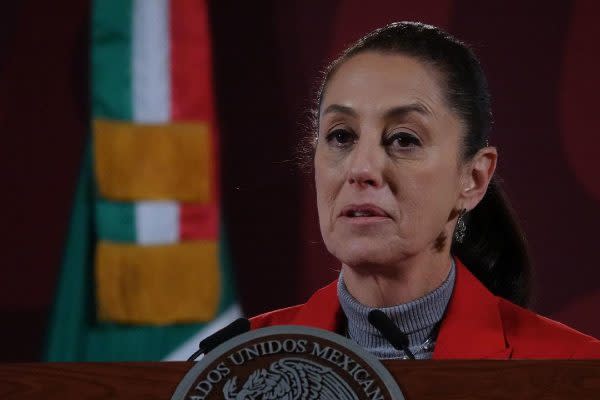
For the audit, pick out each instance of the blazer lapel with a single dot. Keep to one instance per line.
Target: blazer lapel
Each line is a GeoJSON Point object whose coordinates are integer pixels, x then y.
{"type": "Point", "coordinates": [472, 326]}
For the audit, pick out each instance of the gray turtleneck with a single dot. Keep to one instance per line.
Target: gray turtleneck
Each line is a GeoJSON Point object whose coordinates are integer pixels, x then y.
{"type": "Point", "coordinates": [418, 319]}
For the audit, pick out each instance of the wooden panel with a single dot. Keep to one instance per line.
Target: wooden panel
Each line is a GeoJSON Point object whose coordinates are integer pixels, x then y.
{"type": "Point", "coordinates": [419, 380]}
{"type": "Point", "coordinates": [90, 380]}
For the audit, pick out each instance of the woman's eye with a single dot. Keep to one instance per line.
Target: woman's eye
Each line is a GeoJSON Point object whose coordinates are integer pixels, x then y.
{"type": "Point", "coordinates": [403, 140]}
{"type": "Point", "coordinates": [341, 137]}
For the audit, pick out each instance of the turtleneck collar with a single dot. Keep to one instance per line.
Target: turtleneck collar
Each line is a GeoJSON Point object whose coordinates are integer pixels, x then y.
{"type": "Point", "coordinates": [417, 319]}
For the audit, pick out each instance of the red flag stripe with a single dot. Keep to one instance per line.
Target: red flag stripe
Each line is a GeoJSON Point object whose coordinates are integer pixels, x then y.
{"type": "Point", "coordinates": [198, 221]}
{"type": "Point", "coordinates": [191, 61]}
{"type": "Point", "coordinates": [192, 94]}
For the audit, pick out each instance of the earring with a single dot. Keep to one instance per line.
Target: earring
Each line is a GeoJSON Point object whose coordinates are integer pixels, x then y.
{"type": "Point", "coordinates": [461, 228]}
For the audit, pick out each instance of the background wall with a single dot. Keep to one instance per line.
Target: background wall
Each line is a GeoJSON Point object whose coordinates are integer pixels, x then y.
{"type": "Point", "coordinates": [540, 62]}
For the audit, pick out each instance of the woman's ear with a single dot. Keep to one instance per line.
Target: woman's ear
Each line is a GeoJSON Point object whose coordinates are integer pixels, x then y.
{"type": "Point", "coordinates": [477, 176]}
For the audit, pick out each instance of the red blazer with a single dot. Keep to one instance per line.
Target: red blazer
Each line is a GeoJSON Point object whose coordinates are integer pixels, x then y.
{"type": "Point", "coordinates": [477, 325]}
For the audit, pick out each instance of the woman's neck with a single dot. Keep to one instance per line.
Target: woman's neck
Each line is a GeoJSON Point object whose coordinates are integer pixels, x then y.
{"type": "Point", "coordinates": [409, 280]}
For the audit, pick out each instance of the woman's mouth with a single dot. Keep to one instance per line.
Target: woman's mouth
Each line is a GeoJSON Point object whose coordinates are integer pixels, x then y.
{"type": "Point", "coordinates": [364, 213]}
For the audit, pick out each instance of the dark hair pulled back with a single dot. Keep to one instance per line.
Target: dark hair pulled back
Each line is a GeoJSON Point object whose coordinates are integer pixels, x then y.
{"type": "Point", "coordinates": [494, 247]}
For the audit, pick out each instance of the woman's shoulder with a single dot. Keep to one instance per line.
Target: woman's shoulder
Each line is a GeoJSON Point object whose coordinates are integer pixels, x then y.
{"type": "Point", "coordinates": [534, 336]}
{"type": "Point", "coordinates": [322, 310]}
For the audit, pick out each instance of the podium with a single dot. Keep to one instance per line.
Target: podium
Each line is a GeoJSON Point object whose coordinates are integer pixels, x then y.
{"type": "Point", "coordinates": [419, 380]}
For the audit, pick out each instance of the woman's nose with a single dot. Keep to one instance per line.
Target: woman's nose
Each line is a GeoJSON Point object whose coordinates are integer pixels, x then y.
{"type": "Point", "coordinates": [366, 167]}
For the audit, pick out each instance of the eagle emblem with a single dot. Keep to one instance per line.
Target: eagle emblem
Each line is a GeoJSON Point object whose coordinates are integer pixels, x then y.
{"type": "Point", "coordinates": [291, 379]}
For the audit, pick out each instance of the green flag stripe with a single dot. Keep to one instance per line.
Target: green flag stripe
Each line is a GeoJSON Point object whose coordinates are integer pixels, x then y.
{"type": "Point", "coordinates": [115, 221]}
{"type": "Point", "coordinates": [111, 59]}
{"type": "Point", "coordinates": [72, 304]}
{"type": "Point", "coordinates": [228, 291]}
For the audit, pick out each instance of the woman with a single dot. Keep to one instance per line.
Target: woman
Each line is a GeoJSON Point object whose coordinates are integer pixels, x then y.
{"type": "Point", "coordinates": [408, 204]}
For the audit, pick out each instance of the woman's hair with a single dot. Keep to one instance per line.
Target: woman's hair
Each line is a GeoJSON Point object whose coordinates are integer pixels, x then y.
{"type": "Point", "coordinates": [494, 247]}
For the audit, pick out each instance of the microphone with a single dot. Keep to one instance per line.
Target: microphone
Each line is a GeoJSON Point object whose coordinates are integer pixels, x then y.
{"type": "Point", "coordinates": [389, 330]}
{"type": "Point", "coordinates": [237, 327]}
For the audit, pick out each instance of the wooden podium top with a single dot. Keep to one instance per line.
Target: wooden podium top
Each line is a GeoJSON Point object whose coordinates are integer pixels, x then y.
{"type": "Point", "coordinates": [573, 379]}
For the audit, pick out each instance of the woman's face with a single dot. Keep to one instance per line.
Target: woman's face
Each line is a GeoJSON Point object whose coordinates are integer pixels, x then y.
{"type": "Point", "coordinates": [387, 169]}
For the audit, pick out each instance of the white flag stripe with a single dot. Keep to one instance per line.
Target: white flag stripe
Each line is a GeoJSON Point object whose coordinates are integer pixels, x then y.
{"type": "Point", "coordinates": [187, 348]}
{"type": "Point", "coordinates": [156, 222]}
{"type": "Point", "coordinates": [151, 80]}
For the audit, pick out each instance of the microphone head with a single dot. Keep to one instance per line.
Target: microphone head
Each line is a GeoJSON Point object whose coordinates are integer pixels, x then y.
{"type": "Point", "coordinates": [388, 329]}
{"type": "Point", "coordinates": [237, 327]}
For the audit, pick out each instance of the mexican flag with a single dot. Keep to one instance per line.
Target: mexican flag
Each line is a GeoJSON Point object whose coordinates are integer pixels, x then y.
{"type": "Point", "coordinates": [146, 273]}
